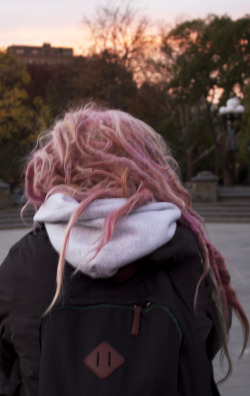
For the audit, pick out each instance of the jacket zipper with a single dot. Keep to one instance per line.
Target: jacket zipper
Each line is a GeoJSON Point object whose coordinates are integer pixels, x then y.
{"type": "Point", "coordinates": [137, 310]}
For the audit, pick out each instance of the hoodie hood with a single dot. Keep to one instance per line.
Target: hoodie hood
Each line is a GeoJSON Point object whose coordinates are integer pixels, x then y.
{"type": "Point", "coordinates": [140, 233]}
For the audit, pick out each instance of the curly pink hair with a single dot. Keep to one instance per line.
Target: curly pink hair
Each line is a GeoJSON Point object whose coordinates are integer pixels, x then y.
{"type": "Point", "coordinates": [98, 153]}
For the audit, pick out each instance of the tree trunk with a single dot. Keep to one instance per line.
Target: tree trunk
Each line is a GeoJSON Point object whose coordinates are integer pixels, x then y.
{"type": "Point", "coordinates": [189, 163]}
{"type": "Point", "coordinates": [216, 145]}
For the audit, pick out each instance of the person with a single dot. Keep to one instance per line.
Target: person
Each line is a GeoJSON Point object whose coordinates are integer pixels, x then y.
{"type": "Point", "coordinates": [107, 192]}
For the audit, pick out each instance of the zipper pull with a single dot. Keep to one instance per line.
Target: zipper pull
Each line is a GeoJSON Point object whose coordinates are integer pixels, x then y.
{"type": "Point", "coordinates": [136, 320]}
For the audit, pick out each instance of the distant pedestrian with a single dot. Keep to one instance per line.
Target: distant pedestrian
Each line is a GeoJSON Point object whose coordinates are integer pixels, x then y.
{"type": "Point", "coordinates": [107, 196]}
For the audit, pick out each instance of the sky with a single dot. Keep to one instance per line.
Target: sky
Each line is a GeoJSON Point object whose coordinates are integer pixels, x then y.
{"type": "Point", "coordinates": [59, 22]}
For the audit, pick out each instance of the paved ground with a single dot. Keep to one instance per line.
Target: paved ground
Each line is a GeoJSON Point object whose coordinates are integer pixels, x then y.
{"type": "Point", "coordinates": [234, 242]}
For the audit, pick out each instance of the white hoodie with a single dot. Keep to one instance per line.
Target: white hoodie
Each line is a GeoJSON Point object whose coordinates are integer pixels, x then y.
{"type": "Point", "coordinates": [141, 232]}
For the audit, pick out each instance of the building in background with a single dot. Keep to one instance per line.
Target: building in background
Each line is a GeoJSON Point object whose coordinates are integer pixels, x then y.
{"type": "Point", "coordinates": [41, 55]}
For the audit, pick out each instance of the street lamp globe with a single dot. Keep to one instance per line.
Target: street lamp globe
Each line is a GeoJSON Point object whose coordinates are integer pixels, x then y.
{"type": "Point", "coordinates": [233, 106]}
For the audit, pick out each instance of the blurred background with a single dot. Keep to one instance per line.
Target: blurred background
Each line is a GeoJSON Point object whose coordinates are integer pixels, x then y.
{"type": "Point", "coordinates": [183, 68]}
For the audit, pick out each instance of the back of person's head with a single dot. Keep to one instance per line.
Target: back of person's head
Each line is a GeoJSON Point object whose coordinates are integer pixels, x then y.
{"type": "Point", "coordinates": [104, 153]}
{"type": "Point", "coordinates": [98, 153]}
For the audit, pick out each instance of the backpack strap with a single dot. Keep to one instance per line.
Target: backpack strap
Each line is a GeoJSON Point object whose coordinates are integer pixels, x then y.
{"type": "Point", "coordinates": [126, 272]}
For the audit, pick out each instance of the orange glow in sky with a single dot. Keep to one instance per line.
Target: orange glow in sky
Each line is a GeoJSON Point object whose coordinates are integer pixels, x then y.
{"type": "Point", "coordinates": [59, 22]}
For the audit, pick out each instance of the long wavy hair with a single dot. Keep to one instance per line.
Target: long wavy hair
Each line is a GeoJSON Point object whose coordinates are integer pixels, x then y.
{"type": "Point", "coordinates": [95, 153]}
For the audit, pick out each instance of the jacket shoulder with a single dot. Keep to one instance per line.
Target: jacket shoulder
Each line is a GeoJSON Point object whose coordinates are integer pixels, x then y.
{"type": "Point", "coordinates": [32, 251]}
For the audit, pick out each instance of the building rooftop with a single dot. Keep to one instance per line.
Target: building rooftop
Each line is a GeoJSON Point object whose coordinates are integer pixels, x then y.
{"type": "Point", "coordinates": [43, 54]}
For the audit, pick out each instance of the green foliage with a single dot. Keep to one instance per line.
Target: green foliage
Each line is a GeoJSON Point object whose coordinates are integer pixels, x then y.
{"type": "Point", "coordinates": [13, 114]}
{"type": "Point", "coordinates": [20, 122]}
{"type": "Point", "coordinates": [199, 59]}
{"type": "Point", "coordinates": [102, 78]}
{"type": "Point", "coordinates": [12, 73]}
{"type": "Point", "coordinates": [204, 55]}
{"type": "Point", "coordinates": [99, 77]}
{"type": "Point", "coordinates": [205, 58]}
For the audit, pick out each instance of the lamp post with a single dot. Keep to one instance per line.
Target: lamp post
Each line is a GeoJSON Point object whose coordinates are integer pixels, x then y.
{"type": "Point", "coordinates": [231, 112]}
{"type": "Point", "coordinates": [248, 173]}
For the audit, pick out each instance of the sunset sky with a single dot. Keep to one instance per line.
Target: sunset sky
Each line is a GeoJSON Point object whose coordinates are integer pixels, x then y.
{"type": "Point", "coordinates": [58, 22]}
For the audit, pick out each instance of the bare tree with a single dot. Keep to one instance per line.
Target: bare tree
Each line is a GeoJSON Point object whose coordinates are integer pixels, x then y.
{"type": "Point", "coordinates": [123, 30]}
